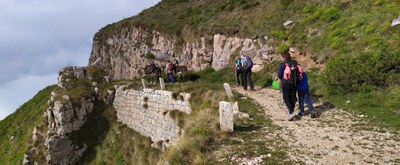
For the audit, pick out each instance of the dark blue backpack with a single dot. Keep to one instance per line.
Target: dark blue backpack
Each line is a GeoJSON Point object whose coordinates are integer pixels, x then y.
{"type": "Point", "coordinates": [248, 64]}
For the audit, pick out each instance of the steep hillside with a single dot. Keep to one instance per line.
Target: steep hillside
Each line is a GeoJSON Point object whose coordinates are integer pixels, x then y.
{"type": "Point", "coordinates": [16, 129]}
{"type": "Point", "coordinates": [322, 28]}
{"type": "Point", "coordinates": [355, 42]}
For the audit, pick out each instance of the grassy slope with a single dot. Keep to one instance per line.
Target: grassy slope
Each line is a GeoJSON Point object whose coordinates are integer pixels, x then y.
{"type": "Point", "coordinates": [20, 124]}
{"type": "Point", "coordinates": [325, 28]}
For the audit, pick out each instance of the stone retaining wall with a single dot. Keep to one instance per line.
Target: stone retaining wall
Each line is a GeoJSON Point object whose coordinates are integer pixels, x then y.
{"type": "Point", "coordinates": [148, 112]}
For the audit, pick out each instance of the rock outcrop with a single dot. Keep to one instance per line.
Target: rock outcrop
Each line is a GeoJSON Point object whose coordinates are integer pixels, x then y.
{"type": "Point", "coordinates": [126, 52]}
{"type": "Point", "coordinates": [52, 141]}
{"type": "Point", "coordinates": [63, 119]}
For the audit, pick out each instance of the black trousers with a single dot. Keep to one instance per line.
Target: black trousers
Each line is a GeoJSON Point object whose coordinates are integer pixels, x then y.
{"type": "Point", "coordinates": [247, 79]}
{"type": "Point", "coordinates": [239, 76]}
{"type": "Point", "coordinates": [289, 97]}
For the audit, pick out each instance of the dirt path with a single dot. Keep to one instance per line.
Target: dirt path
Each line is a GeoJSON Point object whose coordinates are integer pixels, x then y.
{"type": "Point", "coordinates": [336, 137]}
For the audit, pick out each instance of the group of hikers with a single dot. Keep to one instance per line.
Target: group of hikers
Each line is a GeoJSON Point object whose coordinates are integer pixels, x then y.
{"type": "Point", "coordinates": [170, 69]}
{"type": "Point", "coordinates": [243, 66]}
{"type": "Point", "coordinates": [292, 81]}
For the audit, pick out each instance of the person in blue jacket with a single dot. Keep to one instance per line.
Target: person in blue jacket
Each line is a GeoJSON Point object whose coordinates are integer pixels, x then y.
{"type": "Point", "coordinates": [303, 94]}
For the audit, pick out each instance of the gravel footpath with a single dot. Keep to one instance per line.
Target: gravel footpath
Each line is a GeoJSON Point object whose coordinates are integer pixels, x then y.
{"type": "Point", "coordinates": [336, 137]}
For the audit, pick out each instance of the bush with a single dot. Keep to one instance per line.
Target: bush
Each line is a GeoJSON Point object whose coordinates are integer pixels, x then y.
{"type": "Point", "coordinates": [282, 48]}
{"type": "Point", "coordinates": [330, 14]}
{"type": "Point", "coordinates": [279, 34]}
{"type": "Point", "coordinates": [96, 73]}
{"type": "Point", "coordinates": [363, 73]}
{"type": "Point", "coordinates": [150, 55]}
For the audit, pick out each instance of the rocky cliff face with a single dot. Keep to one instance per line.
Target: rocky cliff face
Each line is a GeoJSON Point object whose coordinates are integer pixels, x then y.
{"type": "Point", "coordinates": [128, 50]}
{"type": "Point", "coordinates": [52, 141]}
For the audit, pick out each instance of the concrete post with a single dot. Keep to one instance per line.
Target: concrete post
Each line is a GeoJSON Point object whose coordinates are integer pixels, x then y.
{"type": "Point", "coordinates": [226, 116]}
{"type": "Point", "coordinates": [228, 90]}
{"type": "Point", "coordinates": [144, 83]}
{"type": "Point", "coordinates": [162, 84]}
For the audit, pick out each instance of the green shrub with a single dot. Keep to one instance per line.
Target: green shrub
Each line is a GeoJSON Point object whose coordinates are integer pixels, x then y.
{"type": "Point", "coordinates": [279, 34]}
{"type": "Point", "coordinates": [96, 73]}
{"type": "Point", "coordinates": [150, 55]}
{"type": "Point", "coordinates": [282, 48]}
{"type": "Point", "coordinates": [311, 8]}
{"type": "Point", "coordinates": [330, 14]}
{"type": "Point", "coordinates": [362, 73]}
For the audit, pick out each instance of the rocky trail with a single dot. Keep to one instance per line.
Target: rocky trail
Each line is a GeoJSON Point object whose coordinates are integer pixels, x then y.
{"type": "Point", "coordinates": [335, 137]}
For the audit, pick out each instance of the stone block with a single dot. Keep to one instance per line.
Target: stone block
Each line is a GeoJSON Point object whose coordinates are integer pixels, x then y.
{"type": "Point", "coordinates": [162, 84]}
{"type": "Point", "coordinates": [226, 116]}
{"type": "Point", "coordinates": [144, 83]}
{"type": "Point", "coordinates": [228, 90]}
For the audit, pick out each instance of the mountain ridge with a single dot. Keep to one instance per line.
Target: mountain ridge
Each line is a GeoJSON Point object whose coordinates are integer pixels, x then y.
{"type": "Point", "coordinates": [208, 35]}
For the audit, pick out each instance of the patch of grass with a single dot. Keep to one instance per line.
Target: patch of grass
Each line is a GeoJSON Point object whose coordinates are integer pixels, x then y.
{"type": "Point", "coordinates": [113, 142]}
{"type": "Point", "coordinates": [252, 133]}
{"type": "Point", "coordinates": [200, 126]}
{"type": "Point", "coordinates": [279, 34]}
{"type": "Point", "coordinates": [378, 105]}
{"type": "Point", "coordinates": [178, 116]}
{"type": "Point", "coordinates": [282, 48]}
{"type": "Point", "coordinates": [20, 125]}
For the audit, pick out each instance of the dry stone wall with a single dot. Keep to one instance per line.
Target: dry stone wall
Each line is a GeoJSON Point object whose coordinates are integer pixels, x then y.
{"type": "Point", "coordinates": [148, 112]}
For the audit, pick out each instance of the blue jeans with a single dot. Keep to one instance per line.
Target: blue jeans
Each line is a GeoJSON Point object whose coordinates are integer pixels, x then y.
{"type": "Point", "coordinates": [304, 95]}
{"type": "Point", "coordinates": [170, 77]}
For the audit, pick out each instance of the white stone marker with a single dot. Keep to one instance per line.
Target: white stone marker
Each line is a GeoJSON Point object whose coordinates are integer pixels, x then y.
{"type": "Point", "coordinates": [226, 116]}
{"type": "Point", "coordinates": [228, 90]}
{"type": "Point", "coordinates": [144, 83]}
{"type": "Point", "coordinates": [162, 84]}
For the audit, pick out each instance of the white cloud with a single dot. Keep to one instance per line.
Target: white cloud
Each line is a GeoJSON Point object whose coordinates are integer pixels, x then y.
{"type": "Point", "coordinates": [31, 30]}
{"type": "Point", "coordinates": [39, 37]}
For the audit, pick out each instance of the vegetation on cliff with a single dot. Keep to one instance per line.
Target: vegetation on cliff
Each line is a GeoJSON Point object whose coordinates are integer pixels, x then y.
{"type": "Point", "coordinates": [16, 130]}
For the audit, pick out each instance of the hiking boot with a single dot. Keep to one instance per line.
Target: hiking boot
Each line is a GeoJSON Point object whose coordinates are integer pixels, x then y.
{"type": "Point", "coordinates": [300, 114]}
{"type": "Point", "coordinates": [313, 115]}
{"type": "Point", "coordinates": [291, 116]}
{"type": "Point", "coordinates": [298, 117]}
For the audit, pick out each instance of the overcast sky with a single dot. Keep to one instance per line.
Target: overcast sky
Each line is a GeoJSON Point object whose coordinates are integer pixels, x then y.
{"type": "Point", "coordinates": [40, 37]}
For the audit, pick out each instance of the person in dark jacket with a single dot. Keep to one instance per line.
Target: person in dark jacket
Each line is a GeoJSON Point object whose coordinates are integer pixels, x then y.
{"type": "Point", "coordinates": [303, 94]}
{"type": "Point", "coordinates": [247, 65]}
{"type": "Point", "coordinates": [289, 91]}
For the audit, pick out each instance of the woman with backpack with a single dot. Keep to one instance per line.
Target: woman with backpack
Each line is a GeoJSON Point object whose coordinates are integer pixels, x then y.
{"type": "Point", "coordinates": [247, 65]}
{"type": "Point", "coordinates": [288, 88]}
